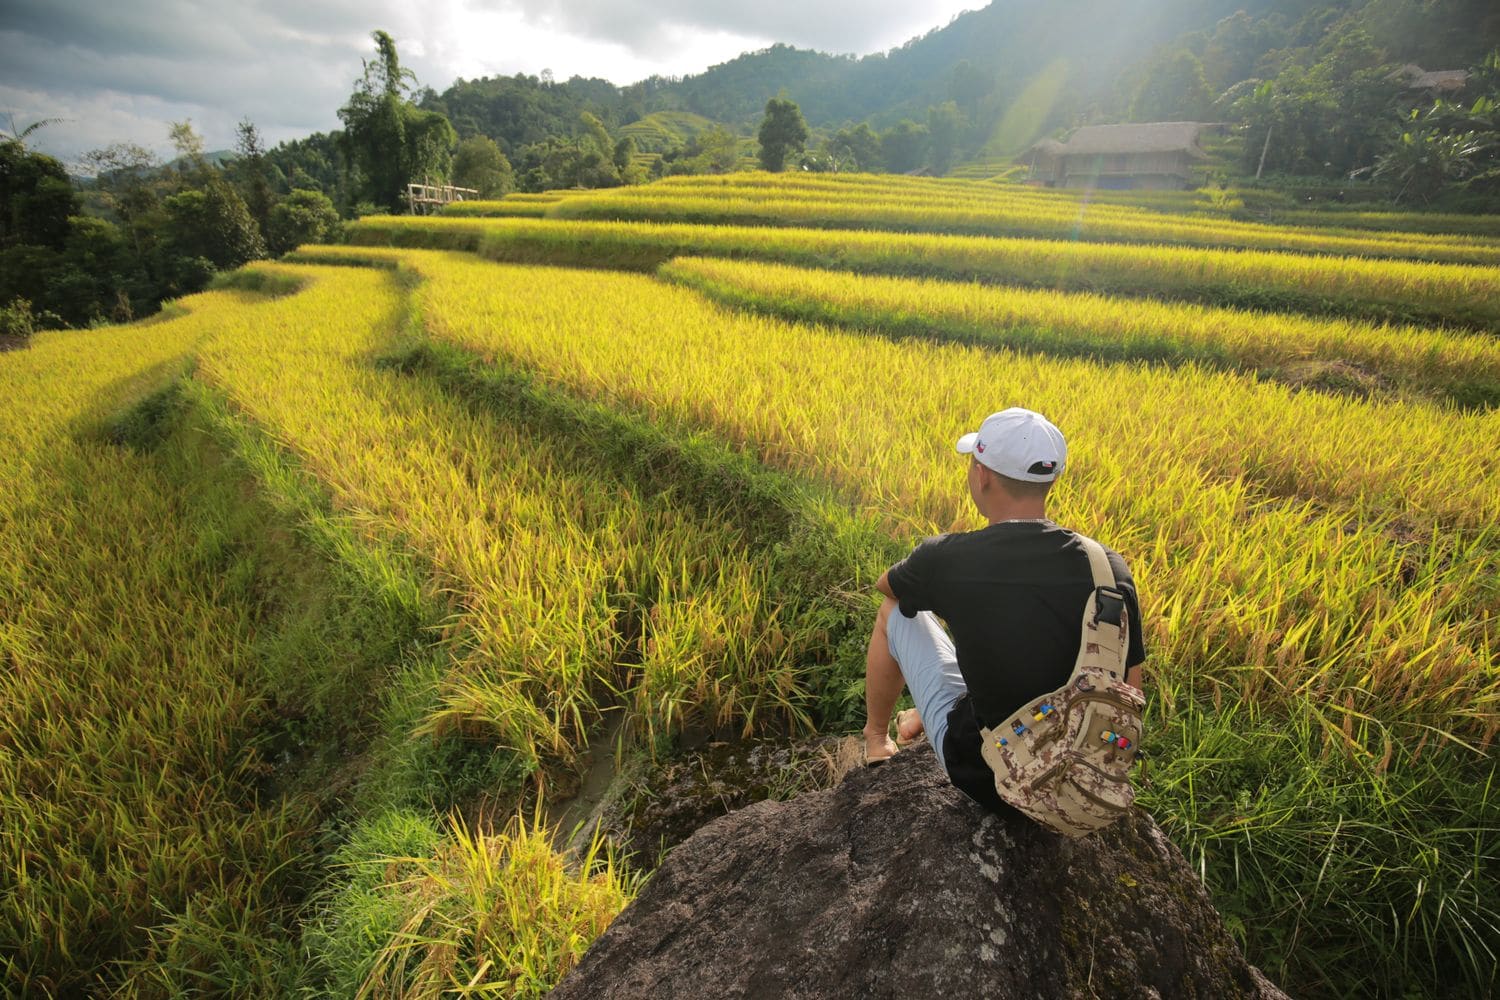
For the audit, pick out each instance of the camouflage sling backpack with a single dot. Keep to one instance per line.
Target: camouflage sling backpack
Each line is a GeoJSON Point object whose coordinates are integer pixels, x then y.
{"type": "Point", "coordinates": [1064, 759]}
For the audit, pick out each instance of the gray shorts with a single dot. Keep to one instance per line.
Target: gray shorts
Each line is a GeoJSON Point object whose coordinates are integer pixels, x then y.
{"type": "Point", "coordinates": [930, 665]}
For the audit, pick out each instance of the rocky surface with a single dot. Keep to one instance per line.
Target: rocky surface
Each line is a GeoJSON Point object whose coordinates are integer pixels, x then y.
{"type": "Point", "coordinates": [669, 800]}
{"type": "Point", "coordinates": [893, 884]}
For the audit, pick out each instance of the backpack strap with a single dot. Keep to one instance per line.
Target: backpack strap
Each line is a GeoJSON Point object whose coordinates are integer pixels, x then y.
{"type": "Point", "coordinates": [1064, 758]}
{"type": "Point", "coordinates": [1104, 573]}
{"type": "Point", "coordinates": [1106, 624]}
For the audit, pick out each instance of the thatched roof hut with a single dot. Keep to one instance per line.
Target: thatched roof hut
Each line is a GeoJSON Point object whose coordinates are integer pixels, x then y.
{"type": "Point", "coordinates": [1150, 155]}
{"type": "Point", "coordinates": [1437, 81]}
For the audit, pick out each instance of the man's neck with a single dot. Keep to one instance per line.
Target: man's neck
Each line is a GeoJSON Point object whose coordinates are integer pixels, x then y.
{"type": "Point", "coordinates": [1004, 508]}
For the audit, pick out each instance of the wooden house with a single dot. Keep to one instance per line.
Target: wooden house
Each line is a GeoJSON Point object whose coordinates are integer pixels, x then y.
{"type": "Point", "coordinates": [1431, 84]}
{"type": "Point", "coordinates": [1153, 156]}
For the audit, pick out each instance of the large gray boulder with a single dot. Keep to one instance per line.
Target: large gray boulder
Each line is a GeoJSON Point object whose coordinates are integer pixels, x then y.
{"type": "Point", "coordinates": [893, 884]}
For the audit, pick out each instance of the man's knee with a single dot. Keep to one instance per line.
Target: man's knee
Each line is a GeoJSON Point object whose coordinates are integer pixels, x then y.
{"type": "Point", "coordinates": [883, 616]}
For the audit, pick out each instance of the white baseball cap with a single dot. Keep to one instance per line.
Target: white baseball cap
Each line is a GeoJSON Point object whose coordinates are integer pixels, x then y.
{"type": "Point", "coordinates": [1019, 444]}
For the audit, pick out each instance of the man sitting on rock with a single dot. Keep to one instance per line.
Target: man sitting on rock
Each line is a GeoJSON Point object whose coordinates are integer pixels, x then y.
{"type": "Point", "coordinates": [1012, 595]}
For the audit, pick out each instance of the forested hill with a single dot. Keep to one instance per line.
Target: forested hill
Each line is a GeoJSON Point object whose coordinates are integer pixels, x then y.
{"type": "Point", "coordinates": [1007, 43]}
{"type": "Point", "coordinates": [1091, 56]}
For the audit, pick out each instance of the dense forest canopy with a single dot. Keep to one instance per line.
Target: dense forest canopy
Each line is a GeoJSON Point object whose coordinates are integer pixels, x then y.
{"type": "Point", "coordinates": [1104, 44]}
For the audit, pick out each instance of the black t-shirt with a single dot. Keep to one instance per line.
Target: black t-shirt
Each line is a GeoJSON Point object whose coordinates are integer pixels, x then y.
{"type": "Point", "coordinates": [1012, 595]}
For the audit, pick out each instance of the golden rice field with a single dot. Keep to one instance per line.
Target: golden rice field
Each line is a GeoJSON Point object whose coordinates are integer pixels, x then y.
{"type": "Point", "coordinates": [1412, 359]}
{"type": "Point", "coordinates": [966, 208]}
{"type": "Point", "coordinates": [1097, 207]}
{"type": "Point", "coordinates": [1434, 294]}
{"type": "Point", "coordinates": [537, 497]}
{"type": "Point", "coordinates": [127, 677]}
{"type": "Point", "coordinates": [566, 594]}
{"type": "Point", "coordinates": [1306, 545]}
{"type": "Point", "coordinates": [1207, 202]}
{"type": "Point", "coordinates": [537, 557]}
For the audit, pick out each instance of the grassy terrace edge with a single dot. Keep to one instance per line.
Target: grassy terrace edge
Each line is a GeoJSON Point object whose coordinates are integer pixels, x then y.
{"type": "Point", "coordinates": [1428, 294]}
{"type": "Point", "coordinates": [818, 550]}
{"type": "Point", "coordinates": [386, 853]}
{"type": "Point", "coordinates": [321, 629]}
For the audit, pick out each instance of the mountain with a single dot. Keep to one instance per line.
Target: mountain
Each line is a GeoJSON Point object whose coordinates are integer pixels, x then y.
{"type": "Point", "coordinates": [1010, 42]}
{"type": "Point", "coordinates": [1057, 61]}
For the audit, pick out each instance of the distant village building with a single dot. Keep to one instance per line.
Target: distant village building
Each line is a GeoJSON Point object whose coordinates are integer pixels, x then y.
{"type": "Point", "coordinates": [1154, 156]}
{"type": "Point", "coordinates": [1434, 83]}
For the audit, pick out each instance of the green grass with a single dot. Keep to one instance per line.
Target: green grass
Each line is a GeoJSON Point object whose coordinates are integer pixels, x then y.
{"type": "Point", "coordinates": [1341, 875]}
{"type": "Point", "coordinates": [420, 911]}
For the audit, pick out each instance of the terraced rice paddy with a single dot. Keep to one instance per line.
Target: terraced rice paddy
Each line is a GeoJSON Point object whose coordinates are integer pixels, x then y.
{"type": "Point", "coordinates": [1411, 291]}
{"type": "Point", "coordinates": [876, 202]}
{"type": "Point", "coordinates": [654, 484]}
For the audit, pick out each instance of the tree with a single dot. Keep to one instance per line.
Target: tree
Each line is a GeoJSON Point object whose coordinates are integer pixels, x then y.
{"type": "Point", "coordinates": [303, 217]}
{"type": "Point", "coordinates": [214, 225]}
{"type": "Point", "coordinates": [945, 128]}
{"type": "Point", "coordinates": [1424, 160]}
{"type": "Point", "coordinates": [90, 273]}
{"type": "Point", "coordinates": [1328, 118]}
{"type": "Point", "coordinates": [782, 133]}
{"type": "Point", "coordinates": [594, 132]}
{"type": "Point", "coordinates": [49, 263]}
{"type": "Point", "coordinates": [21, 135]}
{"type": "Point", "coordinates": [624, 155]}
{"type": "Point", "coordinates": [389, 140]}
{"type": "Point", "coordinates": [189, 145]}
{"type": "Point", "coordinates": [715, 150]}
{"type": "Point", "coordinates": [479, 164]}
{"type": "Point", "coordinates": [18, 321]}
{"type": "Point", "coordinates": [36, 197]}
{"type": "Point", "coordinates": [101, 278]}
{"type": "Point", "coordinates": [1449, 146]}
{"type": "Point", "coordinates": [566, 163]}
{"type": "Point", "coordinates": [904, 146]}
{"type": "Point", "coordinates": [630, 171]}
{"type": "Point", "coordinates": [123, 174]}
{"type": "Point", "coordinates": [250, 171]}
{"type": "Point", "coordinates": [314, 163]}
{"type": "Point", "coordinates": [856, 148]}
{"type": "Point", "coordinates": [1174, 89]}
{"type": "Point", "coordinates": [968, 86]}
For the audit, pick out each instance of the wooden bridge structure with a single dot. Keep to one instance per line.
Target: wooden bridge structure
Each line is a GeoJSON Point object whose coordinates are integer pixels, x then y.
{"type": "Point", "coordinates": [425, 199]}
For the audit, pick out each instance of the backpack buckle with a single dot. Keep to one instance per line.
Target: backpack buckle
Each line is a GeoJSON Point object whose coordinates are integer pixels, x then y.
{"type": "Point", "coordinates": [1109, 605]}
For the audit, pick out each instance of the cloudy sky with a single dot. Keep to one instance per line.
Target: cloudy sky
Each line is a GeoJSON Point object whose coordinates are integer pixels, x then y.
{"type": "Point", "coordinates": [120, 70]}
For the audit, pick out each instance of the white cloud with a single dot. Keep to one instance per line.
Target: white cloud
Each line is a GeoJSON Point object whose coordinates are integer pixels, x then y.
{"type": "Point", "coordinates": [835, 27]}
{"type": "Point", "coordinates": [93, 121]}
{"type": "Point", "coordinates": [120, 71]}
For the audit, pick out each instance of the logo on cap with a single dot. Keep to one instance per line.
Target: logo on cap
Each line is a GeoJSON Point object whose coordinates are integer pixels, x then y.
{"type": "Point", "coordinates": [979, 447]}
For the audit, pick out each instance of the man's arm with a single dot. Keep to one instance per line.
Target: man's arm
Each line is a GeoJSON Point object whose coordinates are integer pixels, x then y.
{"type": "Point", "coordinates": [1133, 677]}
{"type": "Point", "coordinates": [911, 581]}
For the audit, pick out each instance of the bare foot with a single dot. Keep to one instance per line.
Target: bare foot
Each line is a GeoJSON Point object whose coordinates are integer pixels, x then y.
{"type": "Point", "coordinates": [878, 747]}
{"type": "Point", "coordinates": [909, 725]}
